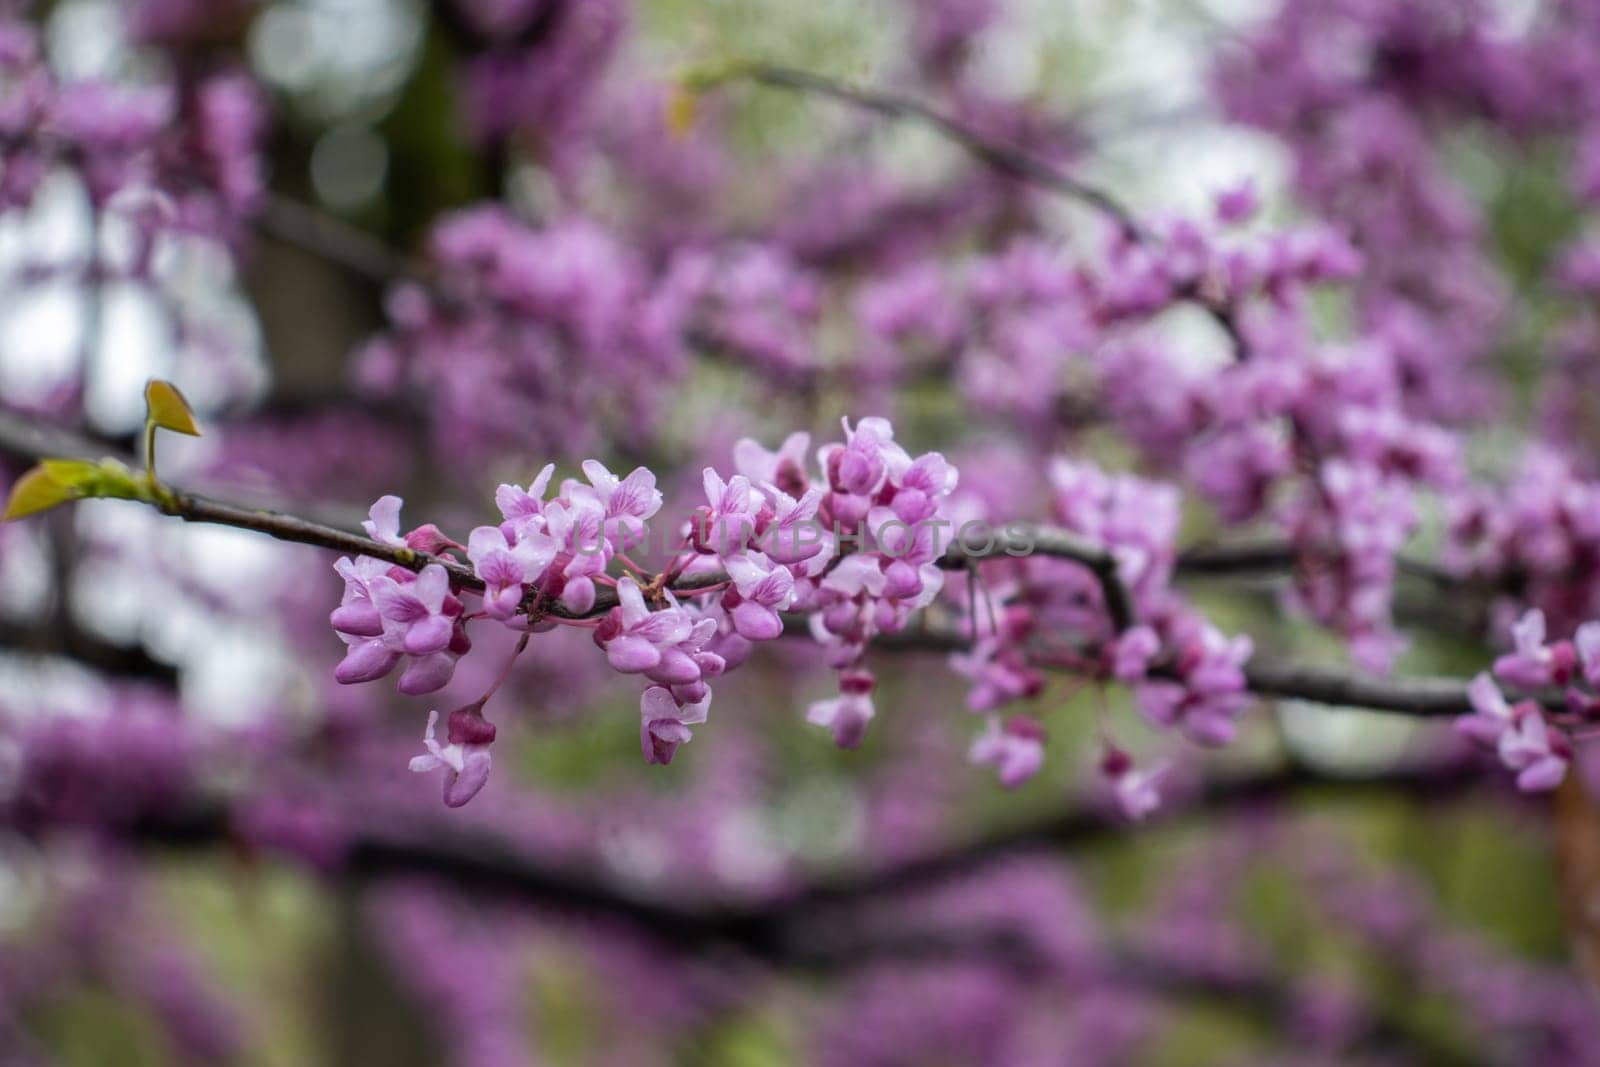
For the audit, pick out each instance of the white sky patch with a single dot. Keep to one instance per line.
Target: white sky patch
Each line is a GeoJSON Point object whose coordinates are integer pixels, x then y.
{"type": "Point", "coordinates": [24, 571]}
{"type": "Point", "coordinates": [1345, 740]}
{"type": "Point", "coordinates": [339, 55]}
{"type": "Point", "coordinates": [238, 679]}
{"type": "Point", "coordinates": [40, 334]}
{"type": "Point", "coordinates": [86, 39]}
{"type": "Point", "coordinates": [132, 347]}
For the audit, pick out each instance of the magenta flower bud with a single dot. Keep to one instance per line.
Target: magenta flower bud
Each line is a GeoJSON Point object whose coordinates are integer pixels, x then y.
{"type": "Point", "coordinates": [358, 619]}
{"type": "Point", "coordinates": [839, 618]}
{"type": "Point", "coordinates": [610, 627]}
{"type": "Point", "coordinates": [365, 661]}
{"type": "Point", "coordinates": [700, 529]}
{"type": "Point", "coordinates": [469, 728]}
{"type": "Point", "coordinates": [757, 621]}
{"type": "Point", "coordinates": [912, 506]}
{"type": "Point", "coordinates": [857, 683]}
{"type": "Point", "coordinates": [692, 693]}
{"type": "Point", "coordinates": [834, 465]}
{"type": "Point", "coordinates": [427, 674]}
{"type": "Point", "coordinates": [675, 667]}
{"type": "Point", "coordinates": [1114, 763]}
{"type": "Point", "coordinates": [578, 597]}
{"type": "Point", "coordinates": [428, 538]}
{"type": "Point", "coordinates": [902, 580]}
{"type": "Point", "coordinates": [632, 655]}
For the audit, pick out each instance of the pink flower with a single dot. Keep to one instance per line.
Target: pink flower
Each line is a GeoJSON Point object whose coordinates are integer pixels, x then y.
{"type": "Point", "coordinates": [465, 760]}
{"type": "Point", "coordinates": [1135, 791]}
{"type": "Point", "coordinates": [1015, 750]}
{"type": "Point", "coordinates": [1491, 714]}
{"type": "Point", "coordinates": [414, 612]}
{"type": "Point", "coordinates": [664, 723]}
{"type": "Point", "coordinates": [506, 567]}
{"type": "Point", "coordinates": [929, 479]}
{"type": "Point", "coordinates": [416, 616]}
{"type": "Point", "coordinates": [1534, 664]}
{"type": "Point", "coordinates": [762, 589]}
{"type": "Point", "coordinates": [999, 673]}
{"type": "Point", "coordinates": [1132, 652]}
{"type": "Point", "coordinates": [578, 527]}
{"type": "Point", "coordinates": [1520, 735]}
{"type": "Point", "coordinates": [728, 521]}
{"type": "Point", "coordinates": [860, 465]}
{"type": "Point", "coordinates": [848, 714]}
{"type": "Point", "coordinates": [366, 659]}
{"type": "Point", "coordinates": [1237, 204]}
{"type": "Point", "coordinates": [1210, 694]}
{"type": "Point", "coordinates": [356, 614]}
{"type": "Point", "coordinates": [525, 507]}
{"type": "Point", "coordinates": [787, 530]}
{"type": "Point", "coordinates": [1587, 640]}
{"type": "Point", "coordinates": [627, 503]}
{"type": "Point", "coordinates": [785, 468]}
{"type": "Point", "coordinates": [1529, 747]}
{"type": "Point", "coordinates": [383, 521]}
{"type": "Point", "coordinates": [634, 637]}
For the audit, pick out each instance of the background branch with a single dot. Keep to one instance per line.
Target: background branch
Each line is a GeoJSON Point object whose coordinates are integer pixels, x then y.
{"type": "Point", "coordinates": [779, 929]}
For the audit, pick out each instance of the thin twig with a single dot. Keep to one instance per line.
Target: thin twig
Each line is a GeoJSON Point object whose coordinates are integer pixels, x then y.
{"type": "Point", "coordinates": [1409, 696]}
{"type": "Point", "coordinates": [1003, 158]}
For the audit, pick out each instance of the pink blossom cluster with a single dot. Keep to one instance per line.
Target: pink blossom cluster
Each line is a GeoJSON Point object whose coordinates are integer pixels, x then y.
{"type": "Point", "coordinates": [1186, 675]}
{"type": "Point", "coordinates": [856, 548]}
{"type": "Point", "coordinates": [770, 538]}
{"type": "Point", "coordinates": [523, 326]}
{"type": "Point", "coordinates": [754, 302]}
{"type": "Point", "coordinates": [1538, 531]}
{"type": "Point", "coordinates": [1535, 741]}
{"type": "Point", "coordinates": [203, 175]}
{"type": "Point", "coordinates": [540, 70]}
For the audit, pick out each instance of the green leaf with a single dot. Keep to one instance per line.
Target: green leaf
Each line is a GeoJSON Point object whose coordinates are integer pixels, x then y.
{"type": "Point", "coordinates": [56, 481]}
{"type": "Point", "coordinates": [36, 491]}
{"type": "Point", "coordinates": [166, 408]}
{"type": "Point", "coordinates": [107, 478]}
{"type": "Point", "coordinates": [72, 473]}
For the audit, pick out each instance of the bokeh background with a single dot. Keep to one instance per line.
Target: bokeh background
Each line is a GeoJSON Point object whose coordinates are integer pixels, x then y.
{"type": "Point", "coordinates": [184, 781]}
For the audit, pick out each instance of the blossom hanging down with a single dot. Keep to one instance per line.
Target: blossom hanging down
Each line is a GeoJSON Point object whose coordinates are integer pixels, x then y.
{"type": "Point", "coordinates": [1015, 750]}
{"type": "Point", "coordinates": [464, 758]}
{"type": "Point", "coordinates": [1525, 734]}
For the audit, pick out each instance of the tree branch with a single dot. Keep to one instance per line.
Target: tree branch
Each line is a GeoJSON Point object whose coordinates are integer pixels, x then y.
{"type": "Point", "coordinates": [331, 238]}
{"type": "Point", "coordinates": [1423, 697]}
{"type": "Point", "coordinates": [780, 929]}
{"type": "Point", "coordinates": [1082, 826]}
{"type": "Point", "coordinates": [60, 637]}
{"type": "Point", "coordinates": [1002, 158]}
{"type": "Point", "coordinates": [1410, 696]}
{"type": "Point", "coordinates": [1272, 557]}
